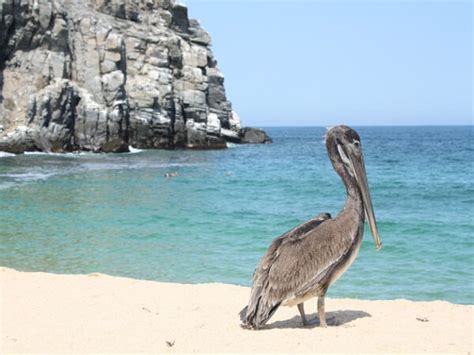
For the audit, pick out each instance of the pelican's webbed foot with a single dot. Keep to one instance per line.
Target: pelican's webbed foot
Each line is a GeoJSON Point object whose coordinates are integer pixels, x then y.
{"type": "Point", "coordinates": [305, 320]}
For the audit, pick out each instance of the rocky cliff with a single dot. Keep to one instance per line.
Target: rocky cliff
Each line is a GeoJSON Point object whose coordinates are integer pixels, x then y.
{"type": "Point", "coordinates": [103, 75]}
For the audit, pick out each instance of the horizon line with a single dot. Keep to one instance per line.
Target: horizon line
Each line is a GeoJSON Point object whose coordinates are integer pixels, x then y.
{"type": "Point", "coordinates": [364, 125]}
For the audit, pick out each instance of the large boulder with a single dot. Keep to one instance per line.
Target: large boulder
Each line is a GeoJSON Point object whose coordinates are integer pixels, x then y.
{"type": "Point", "coordinates": [250, 135]}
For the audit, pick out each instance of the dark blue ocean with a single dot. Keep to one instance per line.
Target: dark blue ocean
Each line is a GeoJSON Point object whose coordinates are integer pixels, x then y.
{"type": "Point", "coordinates": [118, 214]}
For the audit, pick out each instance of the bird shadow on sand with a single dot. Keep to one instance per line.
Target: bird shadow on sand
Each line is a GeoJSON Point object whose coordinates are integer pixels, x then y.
{"type": "Point", "coordinates": [333, 319]}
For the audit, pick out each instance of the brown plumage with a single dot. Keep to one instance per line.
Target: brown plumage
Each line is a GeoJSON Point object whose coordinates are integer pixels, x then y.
{"type": "Point", "coordinates": [306, 260]}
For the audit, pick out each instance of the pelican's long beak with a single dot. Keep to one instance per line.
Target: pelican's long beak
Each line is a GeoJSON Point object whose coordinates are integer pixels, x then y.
{"type": "Point", "coordinates": [361, 177]}
{"type": "Point", "coordinates": [358, 168]}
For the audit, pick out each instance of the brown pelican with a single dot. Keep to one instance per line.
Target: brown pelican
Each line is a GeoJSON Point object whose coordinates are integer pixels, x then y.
{"type": "Point", "coordinates": [305, 261]}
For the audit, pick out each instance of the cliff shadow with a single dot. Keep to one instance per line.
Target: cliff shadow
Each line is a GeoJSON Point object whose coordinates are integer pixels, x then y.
{"type": "Point", "coordinates": [333, 319]}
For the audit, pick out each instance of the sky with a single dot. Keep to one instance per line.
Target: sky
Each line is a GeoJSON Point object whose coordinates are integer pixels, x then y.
{"type": "Point", "coordinates": [320, 63]}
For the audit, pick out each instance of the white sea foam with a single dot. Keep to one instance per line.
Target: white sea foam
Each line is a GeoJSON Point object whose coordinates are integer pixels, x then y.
{"type": "Point", "coordinates": [134, 150]}
{"type": "Point", "coordinates": [36, 153]}
{"type": "Point", "coordinates": [5, 154]}
{"type": "Point", "coordinates": [231, 145]}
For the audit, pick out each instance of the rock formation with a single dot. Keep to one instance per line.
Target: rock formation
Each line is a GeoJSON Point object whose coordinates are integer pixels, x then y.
{"type": "Point", "coordinates": [103, 75]}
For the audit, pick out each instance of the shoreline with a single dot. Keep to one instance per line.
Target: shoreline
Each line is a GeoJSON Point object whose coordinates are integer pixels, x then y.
{"type": "Point", "coordinates": [44, 312]}
{"type": "Point", "coordinates": [98, 274]}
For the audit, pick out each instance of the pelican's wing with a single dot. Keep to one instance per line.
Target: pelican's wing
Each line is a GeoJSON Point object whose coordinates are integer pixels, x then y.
{"type": "Point", "coordinates": [287, 265]}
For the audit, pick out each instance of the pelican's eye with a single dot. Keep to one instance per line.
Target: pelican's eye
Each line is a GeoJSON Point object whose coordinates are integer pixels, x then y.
{"type": "Point", "coordinates": [356, 144]}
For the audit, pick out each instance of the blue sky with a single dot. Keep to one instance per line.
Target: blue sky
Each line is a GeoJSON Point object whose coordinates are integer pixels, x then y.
{"type": "Point", "coordinates": [304, 62]}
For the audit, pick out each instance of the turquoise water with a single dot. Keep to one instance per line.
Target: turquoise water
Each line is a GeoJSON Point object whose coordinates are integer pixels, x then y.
{"type": "Point", "coordinates": [119, 215]}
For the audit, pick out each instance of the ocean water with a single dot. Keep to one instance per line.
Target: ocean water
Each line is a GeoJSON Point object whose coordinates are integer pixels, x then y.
{"type": "Point", "coordinates": [118, 214]}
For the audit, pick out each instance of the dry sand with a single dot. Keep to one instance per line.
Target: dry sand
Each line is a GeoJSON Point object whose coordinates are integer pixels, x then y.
{"type": "Point", "coordinates": [49, 313]}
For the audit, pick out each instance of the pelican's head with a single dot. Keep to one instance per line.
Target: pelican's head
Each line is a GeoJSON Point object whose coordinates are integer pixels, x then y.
{"type": "Point", "coordinates": [345, 151]}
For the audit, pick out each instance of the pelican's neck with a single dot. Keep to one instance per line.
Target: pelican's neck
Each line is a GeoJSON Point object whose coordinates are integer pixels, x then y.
{"type": "Point", "coordinates": [354, 201]}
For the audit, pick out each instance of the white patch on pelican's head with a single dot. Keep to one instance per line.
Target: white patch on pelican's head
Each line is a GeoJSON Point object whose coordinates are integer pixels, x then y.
{"type": "Point", "coordinates": [345, 159]}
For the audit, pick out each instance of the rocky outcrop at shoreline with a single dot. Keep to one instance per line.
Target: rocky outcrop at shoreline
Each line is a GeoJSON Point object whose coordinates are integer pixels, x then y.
{"type": "Point", "coordinates": [103, 75]}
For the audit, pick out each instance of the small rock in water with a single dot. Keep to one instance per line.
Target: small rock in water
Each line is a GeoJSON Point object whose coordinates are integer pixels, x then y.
{"type": "Point", "coordinates": [251, 135]}
{"type": "Point", "coordinates": [171, 174]}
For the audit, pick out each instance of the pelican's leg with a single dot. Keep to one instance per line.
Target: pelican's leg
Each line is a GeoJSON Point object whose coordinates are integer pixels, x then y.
{"type": "Point", "coordinates": [303, 316]}
{"type": "Point", "coordinates": [321, 314]}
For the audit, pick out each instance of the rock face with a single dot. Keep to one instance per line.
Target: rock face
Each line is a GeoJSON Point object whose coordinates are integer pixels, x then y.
{"type": "Point", "coordinates": [101, 75]}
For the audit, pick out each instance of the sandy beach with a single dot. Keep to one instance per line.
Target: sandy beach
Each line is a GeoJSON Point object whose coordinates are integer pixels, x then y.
{"type": "Point", "coordinates": [50, 313]}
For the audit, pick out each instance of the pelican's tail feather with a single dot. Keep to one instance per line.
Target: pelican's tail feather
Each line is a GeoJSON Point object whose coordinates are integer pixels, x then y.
{"type": "Point", "coordinates": [243, 314]}
{"type": "Point", "coordinates": [257, 313]}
